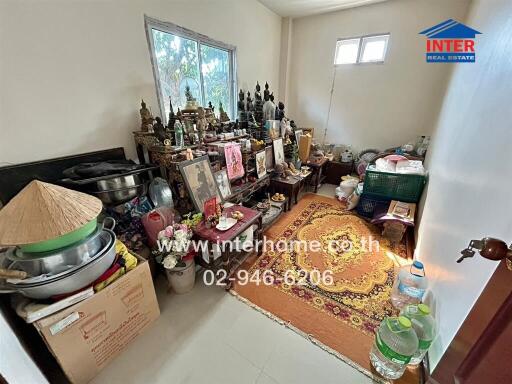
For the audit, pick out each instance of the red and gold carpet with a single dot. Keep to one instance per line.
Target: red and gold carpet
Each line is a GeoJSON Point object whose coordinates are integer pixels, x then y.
{"type": "Point", "coordinates": [340, 317]}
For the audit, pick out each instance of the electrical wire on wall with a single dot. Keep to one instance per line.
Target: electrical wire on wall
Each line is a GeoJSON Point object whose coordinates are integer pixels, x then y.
{"type": "Point", "coordinates": [330, 104]}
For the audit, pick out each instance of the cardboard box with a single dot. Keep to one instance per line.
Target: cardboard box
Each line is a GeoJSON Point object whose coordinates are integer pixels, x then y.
{"type": "Point", "coordinates": [85, 337]}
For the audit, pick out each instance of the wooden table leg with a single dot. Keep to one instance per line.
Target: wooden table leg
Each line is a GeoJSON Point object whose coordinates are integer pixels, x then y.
{"type": "Point", "coordinates": [296, 193]}
{"type": "Point", "coordinates": [260, 236]}
{"type": "Point", "coordinates": [318, 171]}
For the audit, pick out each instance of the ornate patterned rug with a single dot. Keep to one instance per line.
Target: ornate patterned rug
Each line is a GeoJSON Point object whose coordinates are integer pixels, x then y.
{"type": "Point", "coordinates": [339, 315]}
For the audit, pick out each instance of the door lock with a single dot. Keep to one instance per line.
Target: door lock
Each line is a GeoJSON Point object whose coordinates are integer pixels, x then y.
{"type": "Point", "coordinates": [490, 248]}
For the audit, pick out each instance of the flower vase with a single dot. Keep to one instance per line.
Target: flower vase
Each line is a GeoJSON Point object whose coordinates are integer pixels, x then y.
{"type": "Point", "coordinates": [182, 279]}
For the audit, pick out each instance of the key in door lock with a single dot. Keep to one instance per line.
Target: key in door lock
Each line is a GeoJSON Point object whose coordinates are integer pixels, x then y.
{"type": "Point", "coordinates": [490, 248]}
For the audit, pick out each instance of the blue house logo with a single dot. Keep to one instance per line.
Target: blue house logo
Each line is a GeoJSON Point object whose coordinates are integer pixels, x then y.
{"type": "Point", "coordinates": [450, 42]}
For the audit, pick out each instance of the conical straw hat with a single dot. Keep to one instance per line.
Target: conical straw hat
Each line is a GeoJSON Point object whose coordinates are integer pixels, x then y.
{"type": "Point", "coordinates": [43, 211]}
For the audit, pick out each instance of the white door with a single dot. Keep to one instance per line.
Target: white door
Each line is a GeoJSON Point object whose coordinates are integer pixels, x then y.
{"type": "Point", "coordinates": [469, 194]}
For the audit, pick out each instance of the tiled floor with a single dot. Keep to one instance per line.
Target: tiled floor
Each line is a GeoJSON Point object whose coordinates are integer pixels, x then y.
{"type": "Point", "coordinates": [208, 336]}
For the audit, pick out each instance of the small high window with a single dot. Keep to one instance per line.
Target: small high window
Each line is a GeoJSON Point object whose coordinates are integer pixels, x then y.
{"type": "Point", "coordinates": [364, 49]}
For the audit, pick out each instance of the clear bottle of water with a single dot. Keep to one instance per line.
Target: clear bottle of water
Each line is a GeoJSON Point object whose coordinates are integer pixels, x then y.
{"type": "Point", "coordinates": [410, 285]}
{"type": "Point", "coordinates": [424, 325]}
{"type": "Point", "coordinates": [395, 343]}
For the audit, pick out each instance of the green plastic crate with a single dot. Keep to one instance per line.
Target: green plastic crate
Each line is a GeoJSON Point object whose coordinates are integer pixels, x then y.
{"type": "Point", "coordinates": [394, 186]}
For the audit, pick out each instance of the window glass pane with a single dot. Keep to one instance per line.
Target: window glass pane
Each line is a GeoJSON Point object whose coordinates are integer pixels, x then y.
{"type": "Point", "coordinates": [374, 48]}
{"type": "Point", "coordinates": [346, 51]}
{"type": "Point", "coordinates": [178, 65]}
{"type": "Point", "coordinates": [215, 67]}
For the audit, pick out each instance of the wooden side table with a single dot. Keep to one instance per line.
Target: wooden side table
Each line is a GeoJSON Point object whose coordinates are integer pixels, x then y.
{"type": "Point", "coordinates": [288, 187]}
{"type": "Point", "coordinates": [228, 262]}
{"type": "Point", "coordinates": [317, 168]}
{"type": "Point", "coordinates": [334, 170]}
{"type": "Point", "coordinates": [291, 187]}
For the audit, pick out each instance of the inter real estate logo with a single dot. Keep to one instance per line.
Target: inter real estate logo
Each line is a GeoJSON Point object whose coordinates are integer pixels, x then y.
{"type": "Point", "coordinates": [450, 42]}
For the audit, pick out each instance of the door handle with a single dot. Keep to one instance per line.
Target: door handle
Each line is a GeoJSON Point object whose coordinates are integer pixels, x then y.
{"type": "Point", "coordinates": [490, 248]}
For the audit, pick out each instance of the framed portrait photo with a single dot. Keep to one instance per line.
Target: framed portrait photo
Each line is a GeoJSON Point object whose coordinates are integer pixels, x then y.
{"type": "Point", "coordinates": [278, 151]}
{"type": "Point", "coordinates": [261, 168]}
{"type": "Point", "coordinates": [221, 177]}
{"type": "Point", "coordinates": [201, 184]}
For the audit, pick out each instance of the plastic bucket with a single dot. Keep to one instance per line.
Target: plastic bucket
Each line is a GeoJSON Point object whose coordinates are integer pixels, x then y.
{"type": "Point", "coordinates": [182, 280]}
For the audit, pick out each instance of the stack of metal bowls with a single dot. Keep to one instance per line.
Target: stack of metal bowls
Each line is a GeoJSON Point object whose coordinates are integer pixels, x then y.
{"type": "Point", "coordinates": [64, 270]}
{"type": "Point", "coordinates": [117, 190]}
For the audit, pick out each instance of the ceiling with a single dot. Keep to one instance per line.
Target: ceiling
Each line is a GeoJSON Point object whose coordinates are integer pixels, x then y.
{"type": "Point", "coordinates": [298, 8]}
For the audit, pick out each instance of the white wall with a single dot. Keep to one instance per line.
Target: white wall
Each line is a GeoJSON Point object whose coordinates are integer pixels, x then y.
{"type": "Point", "coordinates": [72, 72]}
{"type": "Point", "coordinates": [16, 366]}
{"type": "Point", "coordinates": [470, 171]}
{"type": "Point", "coordinates": [374, 105]}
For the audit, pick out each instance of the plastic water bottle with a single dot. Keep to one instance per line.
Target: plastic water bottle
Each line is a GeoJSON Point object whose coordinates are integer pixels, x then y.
{"type": "Point", "coordinates": [395, 343]}
{"type": "Point", "coordinates": [425, 327]}
{"type": "Point", "coordinates": [410, 285]}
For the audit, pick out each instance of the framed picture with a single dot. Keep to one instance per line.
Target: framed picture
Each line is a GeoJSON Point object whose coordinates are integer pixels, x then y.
{"type": "Point", "coordinates": [198, 177]}
{"type": "Point", "coordinates": [210, 207]}
{"type": "Point", "coordinates": [269, 158]}
{"type": "Point", "coordinates": [221, 177]}
{"type": "Point", "coordinates": [278, 151]}
{"type": "Point", "coordinates": [261, 168]}
{"type": "Point", "coordinates": [298, 132]}
{"type": "Point", "coordinates": [234, 164]}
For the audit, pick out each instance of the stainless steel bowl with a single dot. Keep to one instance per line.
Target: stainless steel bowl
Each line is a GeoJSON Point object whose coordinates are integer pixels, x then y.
{"type": "Point", "coordinates": [120, 182]}
{"type": "Point", "coordinates": [70, 281]}
{"type": "Point", "coordinates": [105, 238]}
{"type": "Point", "coordinates": [61, 260]}
{"type": "Point", "coordinates": [119, 196]}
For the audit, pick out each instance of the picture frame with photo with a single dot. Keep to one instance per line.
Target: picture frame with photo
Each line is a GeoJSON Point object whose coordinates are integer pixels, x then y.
{"type": "Point", "coordinates": [278, 151]}
{"type": "Point", "coordinates": [199, 180]}
{"type": "Point", "coordinates": [222, 180]}
{"type": "Point", "coordinates": [269, 158]}
{"type": "Point", "coordinates": [261, 168]}
{"type": "Point", "coordinates": [233, 157]}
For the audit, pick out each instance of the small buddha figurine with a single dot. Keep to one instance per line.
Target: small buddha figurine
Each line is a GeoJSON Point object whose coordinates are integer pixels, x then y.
{"type": "Point", "coordinates": [223, 116]}
{"type": "Point", "coordinates": [159, 130]}
{"type": "Point", "coordinates": [249, 105]}
{"type": "Point", "coordinates": [257, 93]}
{"type": "Point", "coordinates": [178, 134]}
{"type": "Point", "coordinates": [286, 130]}
{"type": "Point", "coordinates": [202, 124]}
{"type": "Point", "coordinates": [191, 101]}
{"type": "Point", "coordinates": [241, 104]}
{"type": "Point", "coordinates": [269, 109]}
{"type": "Point", "coordinates": [146, 118]}
{"type": "Point", "coordinates": [280, 111]}
{"type": "Point", "coordinates": [266, 92]}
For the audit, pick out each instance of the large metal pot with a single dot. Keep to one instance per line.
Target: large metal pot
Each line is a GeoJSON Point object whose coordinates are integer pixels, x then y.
{"type": "Point", "coordinates": [62, 260]}
{"type": "Point", "coordinates": [121, 195]}
{"type": "Point", "coordinates": [119, 182]}
{"type": "Point", "coordinates": [70, 281]}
